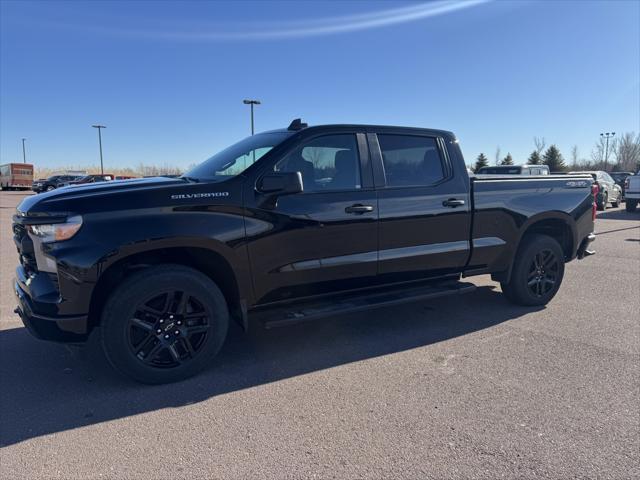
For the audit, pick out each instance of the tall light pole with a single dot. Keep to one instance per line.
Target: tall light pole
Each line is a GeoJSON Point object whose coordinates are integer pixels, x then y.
{"type": "Point", "coordinates": [606, 149]}
{"type": "Point", "coordinates": [100, 127]}
{"type": "Point", "coordinates": [252, 103]}
{"type": "Point", "coordinates": [24, 153]}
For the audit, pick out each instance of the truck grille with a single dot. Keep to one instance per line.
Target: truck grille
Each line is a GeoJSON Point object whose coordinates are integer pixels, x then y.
{"type": "Point", "coordinates": [25, 248]}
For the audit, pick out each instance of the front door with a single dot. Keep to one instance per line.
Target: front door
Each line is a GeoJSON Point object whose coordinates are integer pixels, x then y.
{"type": "Point", "coordinates": [323, 239]}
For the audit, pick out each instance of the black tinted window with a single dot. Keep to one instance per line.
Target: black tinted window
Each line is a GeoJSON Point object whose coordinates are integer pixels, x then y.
{"type": "Point", "coordinates": [410, 160]}
{"type": "Point", "coordinates": [326, 163]}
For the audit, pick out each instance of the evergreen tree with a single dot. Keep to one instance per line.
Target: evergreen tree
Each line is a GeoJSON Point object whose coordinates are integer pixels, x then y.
{"type": "Point", "coordinates": [508, 160]}
{"type": "Point", "coordinates": [481, 161]}
{"type": "Point", "coordinates": [534, 158]}
{"type": "Point", "coordinates": [553, 158]}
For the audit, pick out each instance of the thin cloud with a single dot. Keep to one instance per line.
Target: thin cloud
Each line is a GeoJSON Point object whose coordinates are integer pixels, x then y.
{"type": "Point", "coordinates": [311, 28]}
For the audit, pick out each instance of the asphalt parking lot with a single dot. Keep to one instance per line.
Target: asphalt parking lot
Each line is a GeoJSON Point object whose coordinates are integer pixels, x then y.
{"type": "Point", "coordinates": [467, 387]}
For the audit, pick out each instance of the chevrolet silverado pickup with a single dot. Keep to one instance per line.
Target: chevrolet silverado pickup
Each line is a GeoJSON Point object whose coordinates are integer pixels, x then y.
{"type": "Point", "coordinates": [282, 227]}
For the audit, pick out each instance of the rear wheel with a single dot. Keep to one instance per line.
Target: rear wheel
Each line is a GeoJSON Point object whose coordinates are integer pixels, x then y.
{"type": "Point", "coordinates": [164, 324]}
{"type": "Point", "coordinates": [537, 271]}
{"type": "Point", "coordinates": [631, 205]}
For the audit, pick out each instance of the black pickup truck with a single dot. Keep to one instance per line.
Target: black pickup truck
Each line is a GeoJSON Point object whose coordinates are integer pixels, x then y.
{"type": "Point", "coordinates": [282, 227]}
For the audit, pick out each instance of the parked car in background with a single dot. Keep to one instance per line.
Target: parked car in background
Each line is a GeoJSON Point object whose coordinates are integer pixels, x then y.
{"type": "Point", "coordinates": [124, 177]}
{"type": "Point", "coordinates": [53, 182]}
{"type": "Point", "coordinates": [632, 191]}
{"type": "Point", "coordinates": [16, 176]}
{"type": "Point", "coordinates": [619, 178]}
{"type": "Point", "coordinates": [93, 178]}
{"type": "Point", "coordinates": [608, 190]}
{"type": "Point", "coordinates": [514, 170]}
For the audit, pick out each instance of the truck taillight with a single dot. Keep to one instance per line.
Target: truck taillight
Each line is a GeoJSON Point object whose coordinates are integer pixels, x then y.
{"type": "Point", "coordinates": [626, 183]}
{"type": "Point", "coordinates": [595, 189]}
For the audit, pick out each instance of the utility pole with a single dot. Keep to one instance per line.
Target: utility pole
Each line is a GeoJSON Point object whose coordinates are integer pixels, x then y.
{"type": "Point", "coordinates": [24, 153]}
{"type": "Point", "coordinates": [606, 149]}
{"type": "Point", "coordinates": [252, 103]}
{"type": "Point", "coordinates": [100, 127]}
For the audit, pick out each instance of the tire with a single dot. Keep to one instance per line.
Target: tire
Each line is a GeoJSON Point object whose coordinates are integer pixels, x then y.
{"type": "Point", "coordinates": [605, 199]}
{"type": "Point", "coordinates": [631, 205]}
{"type": "Point", "coordinates": [164, 324]}
{"type": "Point", "coordinates": [537, 273]}
{"type": "Point", "coordinates": [50, 187]}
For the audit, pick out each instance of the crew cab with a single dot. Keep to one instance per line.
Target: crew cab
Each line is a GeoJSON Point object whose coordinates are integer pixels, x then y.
{"type": "Point", "coordinates": [285, 226]}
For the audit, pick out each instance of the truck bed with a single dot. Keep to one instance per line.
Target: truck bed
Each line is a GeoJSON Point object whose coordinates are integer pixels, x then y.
{"type": "Point", "coordinates": [504, 206]}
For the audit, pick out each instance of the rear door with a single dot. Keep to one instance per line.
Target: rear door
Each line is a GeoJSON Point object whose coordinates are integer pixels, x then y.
{"type": "Point", "coordinates": [323, 239]}
{"type": "Point", "coordinates": [424, 206]}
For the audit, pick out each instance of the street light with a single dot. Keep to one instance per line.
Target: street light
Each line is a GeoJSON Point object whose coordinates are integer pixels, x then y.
{"type": "Point", "coordinates": [24, 154]}
{"type": "Point", "coordinates": [100, 127]}
{"type": "Point", "coordinates": [252, 103]}
{"type": "Point", "coordinates": [606, 150]}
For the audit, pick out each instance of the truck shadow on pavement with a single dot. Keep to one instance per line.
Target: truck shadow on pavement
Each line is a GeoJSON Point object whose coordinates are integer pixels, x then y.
{"type": "Point", "coordinates": [48, 388]}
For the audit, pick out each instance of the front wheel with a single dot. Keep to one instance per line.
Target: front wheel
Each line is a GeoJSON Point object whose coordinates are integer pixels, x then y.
{"type": "Point", "coordinates": [537, 271]}
{"type": "Point", "coordinates": [164, 324]}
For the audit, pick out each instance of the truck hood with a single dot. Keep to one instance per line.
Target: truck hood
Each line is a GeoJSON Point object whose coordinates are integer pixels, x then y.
{"type": "Point", "coordinates": [47, 202]}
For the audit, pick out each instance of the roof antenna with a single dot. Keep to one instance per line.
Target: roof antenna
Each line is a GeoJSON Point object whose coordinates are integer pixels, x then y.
{"type": "Point", "coordinates": [297, 125]}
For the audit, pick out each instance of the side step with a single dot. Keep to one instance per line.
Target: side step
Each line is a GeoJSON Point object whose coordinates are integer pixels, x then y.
{"type": "Point", "coordinates": [356, 302]}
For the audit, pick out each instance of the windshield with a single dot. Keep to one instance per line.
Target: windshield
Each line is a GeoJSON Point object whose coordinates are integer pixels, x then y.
{"type": "Point", "coordinates": [238, 157]}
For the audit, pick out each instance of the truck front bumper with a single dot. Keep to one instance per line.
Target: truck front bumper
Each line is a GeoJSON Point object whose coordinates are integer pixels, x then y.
{"type": "Point", "coordinates": [38, 309]}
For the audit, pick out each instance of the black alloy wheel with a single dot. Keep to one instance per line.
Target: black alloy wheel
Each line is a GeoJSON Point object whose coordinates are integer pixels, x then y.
{"type": "Point", "coordinates": [537, 273]}
{"type": "Point", "coordinates": [543, 273]}
{"type": "Point", "coordinates": [164, 323]}
{"type": "Point", "coordinates": [168, 329]}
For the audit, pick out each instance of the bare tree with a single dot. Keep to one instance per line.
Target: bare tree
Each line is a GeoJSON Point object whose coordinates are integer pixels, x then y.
{"type": "Point", "coordinates": [574, 157]}
{"type": "Point", "coordinates": [498, 152]}
{"type": "Point", "coordinates": [627, 151]}
{"type": "Point", "coordinates": [540, 143]}
{"type": "Point", "coordinates": [598, 152]}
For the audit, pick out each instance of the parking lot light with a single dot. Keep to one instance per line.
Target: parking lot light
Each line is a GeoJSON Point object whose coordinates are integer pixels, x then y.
{"type": "Point", "coordinates": [100, 127]}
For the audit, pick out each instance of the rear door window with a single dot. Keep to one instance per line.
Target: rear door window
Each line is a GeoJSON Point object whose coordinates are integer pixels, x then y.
{"type": "Point", "coordinates": [411, 160]}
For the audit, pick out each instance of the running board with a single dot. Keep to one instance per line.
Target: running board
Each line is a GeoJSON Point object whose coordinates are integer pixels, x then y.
{"type": "Point", "coordinates": [356, 302]}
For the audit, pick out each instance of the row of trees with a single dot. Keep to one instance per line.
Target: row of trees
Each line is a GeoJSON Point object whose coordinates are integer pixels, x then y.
{"type": "Point", "coordinates": [141, 170]}
{"type": "Point", "coordinates": [623, 155]}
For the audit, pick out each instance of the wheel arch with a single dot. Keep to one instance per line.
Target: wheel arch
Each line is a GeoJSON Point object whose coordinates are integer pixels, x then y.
{"type": "Point", "coordinates": [207, 261]}
{"type": "Point", "coordinates": [557, 225]}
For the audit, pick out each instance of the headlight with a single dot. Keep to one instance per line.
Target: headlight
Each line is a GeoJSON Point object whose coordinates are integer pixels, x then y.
{"type": "Point", "coordinates": [57, 232]}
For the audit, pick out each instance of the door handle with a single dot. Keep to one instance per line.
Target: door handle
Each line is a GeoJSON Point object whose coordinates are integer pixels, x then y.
{"type": "Point", "coordinates": [453, 203]}
{"type": "Point", "coordinates": [358, 208]}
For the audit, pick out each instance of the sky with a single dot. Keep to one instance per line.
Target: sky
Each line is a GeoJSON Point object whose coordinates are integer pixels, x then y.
{"type": "Point", "coordinates": [168, 78]}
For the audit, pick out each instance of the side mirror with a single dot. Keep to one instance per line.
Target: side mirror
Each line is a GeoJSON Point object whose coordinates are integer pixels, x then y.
{"type": "Point", "coordinates": [280, 183]}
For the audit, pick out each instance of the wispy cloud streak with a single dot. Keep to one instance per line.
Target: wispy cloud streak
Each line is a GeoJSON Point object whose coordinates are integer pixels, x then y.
{"type": "Point", "coordinates": [299, 29]}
